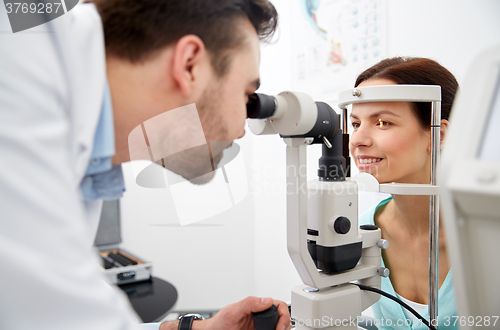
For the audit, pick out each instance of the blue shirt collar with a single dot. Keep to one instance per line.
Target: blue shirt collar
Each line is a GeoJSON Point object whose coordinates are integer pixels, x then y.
{"type": "Point", "coordinates": [103, 180]}
{"type": "Point", "coordinates": [104, 139]}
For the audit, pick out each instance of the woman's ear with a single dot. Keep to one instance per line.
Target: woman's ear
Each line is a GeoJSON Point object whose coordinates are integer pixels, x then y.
{"type": "Point", "coordinates": [189, 54]}
{"type": "Point", "coordinates": [444, 130]}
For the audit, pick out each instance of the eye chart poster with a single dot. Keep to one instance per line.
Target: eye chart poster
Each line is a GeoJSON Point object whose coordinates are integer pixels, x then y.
{"type": "Point", "coordinates": [333, 41]}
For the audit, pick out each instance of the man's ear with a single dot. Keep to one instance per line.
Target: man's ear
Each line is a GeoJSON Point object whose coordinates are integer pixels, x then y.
{"type": "Point", "coordinates": [189, 55]}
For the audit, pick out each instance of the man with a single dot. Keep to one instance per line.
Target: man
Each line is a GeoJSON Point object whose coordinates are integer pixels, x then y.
{"type": "Point", "coordinates": [67, 108]}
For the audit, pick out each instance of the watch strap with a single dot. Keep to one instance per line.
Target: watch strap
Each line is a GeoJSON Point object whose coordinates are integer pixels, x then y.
{"type": "Point", "coordinates": [186, 322]}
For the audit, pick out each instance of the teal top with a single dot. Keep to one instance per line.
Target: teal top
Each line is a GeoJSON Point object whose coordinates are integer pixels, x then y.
{"type": "Point", "coordinates": [390, 315]}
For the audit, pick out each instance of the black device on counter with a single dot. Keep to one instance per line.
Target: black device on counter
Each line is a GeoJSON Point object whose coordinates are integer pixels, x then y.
{"type": "Point", "coordinates": [120, 266]}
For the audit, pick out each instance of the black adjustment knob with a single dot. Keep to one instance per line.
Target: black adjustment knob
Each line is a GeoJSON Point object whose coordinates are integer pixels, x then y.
{"type": "Point", "coordinates": [266, 320]}
{"type": "Point", "coordinates": [342, 225]}
{"type": "Point", "coordinates": [368, 227]}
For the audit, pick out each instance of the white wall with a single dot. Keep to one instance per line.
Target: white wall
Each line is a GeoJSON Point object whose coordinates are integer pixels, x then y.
{"type": "Point", "coordinates": [243, 250]}
{"type": "Point", "coordinates": [448, 31]}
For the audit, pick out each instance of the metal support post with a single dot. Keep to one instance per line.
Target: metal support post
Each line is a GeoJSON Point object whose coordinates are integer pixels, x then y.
{"type": "Point", "coordinates": [434, 215]}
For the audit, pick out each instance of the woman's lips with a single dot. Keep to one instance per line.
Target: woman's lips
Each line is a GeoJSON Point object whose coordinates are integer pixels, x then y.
{"type": "Point", "coordinates": [365, 163]}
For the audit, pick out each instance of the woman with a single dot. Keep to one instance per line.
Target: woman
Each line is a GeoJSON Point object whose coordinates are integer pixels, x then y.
{"type": "Point", "coordinates": [391, 141]}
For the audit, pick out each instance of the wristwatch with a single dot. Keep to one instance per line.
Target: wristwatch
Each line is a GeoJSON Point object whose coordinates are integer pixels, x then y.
{"type": "Point", "coordinates": [186, 321]}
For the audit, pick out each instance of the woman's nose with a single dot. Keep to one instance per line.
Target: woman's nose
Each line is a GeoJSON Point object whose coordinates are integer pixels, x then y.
{"type": "Point", "coordinates": [361, 137]}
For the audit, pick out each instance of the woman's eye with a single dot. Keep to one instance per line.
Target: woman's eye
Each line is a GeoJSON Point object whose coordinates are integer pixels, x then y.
{"type": "Point", "coordinates": [355, 125]}
{"type": "Point", "coordinates": [382, 123]}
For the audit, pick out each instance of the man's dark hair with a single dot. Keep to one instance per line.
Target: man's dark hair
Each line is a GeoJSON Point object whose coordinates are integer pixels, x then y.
{"type": "Point", "coordinates": [416, 71]}
{"type": "Point", "coordinates": [135, 30]}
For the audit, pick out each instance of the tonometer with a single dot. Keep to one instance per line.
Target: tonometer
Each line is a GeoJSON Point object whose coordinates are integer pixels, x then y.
{"type": "Point", "coordinates": [333, 256]}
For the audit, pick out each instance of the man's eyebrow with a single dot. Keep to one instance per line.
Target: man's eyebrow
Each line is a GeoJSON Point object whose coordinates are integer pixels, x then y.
{"type": "Point", "coordinates": [378, 113]}
{"type": "Point", "coordinates": [255, 83]}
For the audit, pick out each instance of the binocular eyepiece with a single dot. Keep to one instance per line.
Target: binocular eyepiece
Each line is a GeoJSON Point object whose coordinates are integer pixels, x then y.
{"type": "Point", "coordinates": [296, 115]}
{"type": "Point", "coordinates": [292, 114]}
{"type": "Point", "coordinates": [261, 106]}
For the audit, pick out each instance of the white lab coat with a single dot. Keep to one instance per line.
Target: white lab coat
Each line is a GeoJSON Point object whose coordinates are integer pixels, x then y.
{"type": "Point", "coordinates": [51, 86]}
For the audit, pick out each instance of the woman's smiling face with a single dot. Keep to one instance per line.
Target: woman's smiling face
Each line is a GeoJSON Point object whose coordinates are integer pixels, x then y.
{"type": "Point", "coordinates": [388, 141]}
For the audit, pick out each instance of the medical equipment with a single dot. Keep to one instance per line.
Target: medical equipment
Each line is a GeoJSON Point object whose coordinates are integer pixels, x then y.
{"type": "Point", "coordinates": [120, 266]}
{"type": "Point", "coordinates": [324, 242]}
{"type": "Point", "coordinates": [266, 320]}
{"type": "Point", "coordinates": [470, 180]}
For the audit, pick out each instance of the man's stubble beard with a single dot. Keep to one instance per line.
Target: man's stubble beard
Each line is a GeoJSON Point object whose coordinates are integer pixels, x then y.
{"type": "Point", "coordinates": [203, 168]}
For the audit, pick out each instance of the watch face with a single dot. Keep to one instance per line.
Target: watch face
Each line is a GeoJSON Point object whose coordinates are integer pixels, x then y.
{"type": "Point", "coordinates": [194, 316]}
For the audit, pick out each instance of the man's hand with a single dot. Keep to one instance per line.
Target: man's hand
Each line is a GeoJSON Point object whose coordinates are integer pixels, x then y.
{"type": "Point", "coordinates": [238, 316]}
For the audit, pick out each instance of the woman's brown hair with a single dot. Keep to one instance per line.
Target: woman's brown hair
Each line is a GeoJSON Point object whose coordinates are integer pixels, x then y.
{"type": "Point", "coordinates": [416, 71]}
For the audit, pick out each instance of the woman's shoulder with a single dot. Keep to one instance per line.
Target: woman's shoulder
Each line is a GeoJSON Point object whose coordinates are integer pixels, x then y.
{"type": "Point", "coordinates": [368, 217]}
